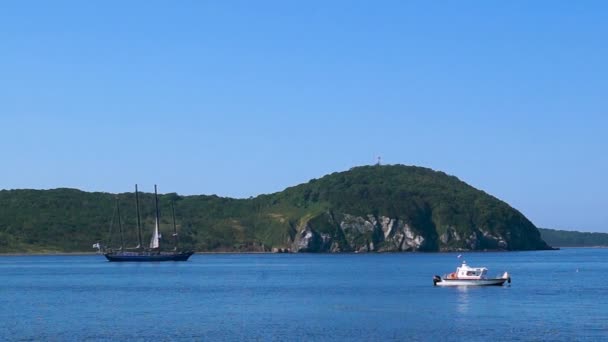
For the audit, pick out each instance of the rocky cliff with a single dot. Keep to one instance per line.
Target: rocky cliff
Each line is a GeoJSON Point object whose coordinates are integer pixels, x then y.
{"type": "Point", "coordinates": [385, 234]}
{"type": "Point", "coordinates": [401, 208]}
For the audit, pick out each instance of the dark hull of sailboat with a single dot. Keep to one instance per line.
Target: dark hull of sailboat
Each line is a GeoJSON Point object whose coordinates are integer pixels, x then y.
{"type": "Point", "coordinates": [148, 257]}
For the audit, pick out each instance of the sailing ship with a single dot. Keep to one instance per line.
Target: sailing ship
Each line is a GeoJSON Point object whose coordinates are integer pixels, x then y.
{"type": "Point", "coordinates": [153, 252]}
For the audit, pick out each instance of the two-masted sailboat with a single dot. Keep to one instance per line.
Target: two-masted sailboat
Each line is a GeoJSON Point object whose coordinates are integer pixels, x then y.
{"type": "Point", "coordinates": [153, 253]}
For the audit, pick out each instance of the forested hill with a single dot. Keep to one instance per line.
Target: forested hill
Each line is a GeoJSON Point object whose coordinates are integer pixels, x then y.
{"type": "Point", "coordinates": [368, 208]}
{"type": "Point", "coordinates": [565, 238]}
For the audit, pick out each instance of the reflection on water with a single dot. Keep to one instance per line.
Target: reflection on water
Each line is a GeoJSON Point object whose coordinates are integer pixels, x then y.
{"type": "Point", "coordinates": [463, 299]}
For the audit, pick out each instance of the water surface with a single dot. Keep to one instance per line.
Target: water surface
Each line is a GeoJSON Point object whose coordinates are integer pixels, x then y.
{"type": "Point", "coordinates": [555, 295]}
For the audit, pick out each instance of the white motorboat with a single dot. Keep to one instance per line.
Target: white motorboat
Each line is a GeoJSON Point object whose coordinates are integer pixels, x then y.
{"type": "Point", "coordinates": [470, 276]}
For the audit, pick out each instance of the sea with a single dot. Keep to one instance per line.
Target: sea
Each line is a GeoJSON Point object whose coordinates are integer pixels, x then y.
{"type": "Point", "coordinates": [557, 295]}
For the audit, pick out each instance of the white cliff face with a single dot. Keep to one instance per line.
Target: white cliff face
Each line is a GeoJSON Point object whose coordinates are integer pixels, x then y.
{"type": "Point", "coordinates": [387, 225]}
{"type": "Point", "coordinates": [497, 239]}
{"type": "Point", "coordinates": [303, 239]}
{"type": "Point", "coordinates": [480, 238]}
{"type": "Point", "coordinates": [412, 241]}
{"type": "Point", "coordinates": [379, 233]}
{"type": "Point", "coordinates": [368, 233]}
{"type": "Point", "coordinates": [404, 238]}
{"type": "Point", "coordinates": [308, 240]}
{"type": "Point", "coordinates": [339, 232]}
{"type": "Point", "coordinates": [358, 232]}
{"type": "Point", "coordinates": [356, 224]}
{"type": "Point", "coordinates": [384, 234]}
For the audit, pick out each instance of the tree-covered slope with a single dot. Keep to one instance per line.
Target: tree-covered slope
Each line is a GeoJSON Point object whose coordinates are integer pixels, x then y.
{"type": "Point", "coordinates": [369, 208]}
{"type": "Point", "coordinates": [565, 238]}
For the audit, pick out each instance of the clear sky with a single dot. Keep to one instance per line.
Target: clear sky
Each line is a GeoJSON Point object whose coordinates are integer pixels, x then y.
{"type": "Point", "coordinates": [239, 98]}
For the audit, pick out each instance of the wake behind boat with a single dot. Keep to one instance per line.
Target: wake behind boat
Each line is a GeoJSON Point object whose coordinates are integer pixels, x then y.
{"type": "Point", "coordinates": [153, 253]}
{"type": "Point", "coordinates": [470, 276]}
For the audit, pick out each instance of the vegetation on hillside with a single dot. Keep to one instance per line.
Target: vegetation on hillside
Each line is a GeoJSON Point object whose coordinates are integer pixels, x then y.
{"type": "Point", "coordinates": [432, 203]}
{"type": "Point", "coordinates": [564, 238]}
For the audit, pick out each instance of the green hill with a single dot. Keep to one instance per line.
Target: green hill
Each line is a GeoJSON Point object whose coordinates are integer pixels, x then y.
{"type": "Point", "coordinates": [368, 208]}
{"type": "Point", "coordinates": [565, 238]}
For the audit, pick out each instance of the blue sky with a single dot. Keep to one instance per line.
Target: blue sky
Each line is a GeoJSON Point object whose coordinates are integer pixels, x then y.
{"type": "Point", "coordinates": [239, 98]}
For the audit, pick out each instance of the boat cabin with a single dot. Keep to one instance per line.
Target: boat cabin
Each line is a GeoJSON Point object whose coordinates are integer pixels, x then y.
{"type": "Point", "coordinates": [466, 272]}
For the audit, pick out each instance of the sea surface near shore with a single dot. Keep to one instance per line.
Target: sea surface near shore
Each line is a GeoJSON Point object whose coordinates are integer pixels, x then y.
{"type": "Point", "coordinates": [555, 295]}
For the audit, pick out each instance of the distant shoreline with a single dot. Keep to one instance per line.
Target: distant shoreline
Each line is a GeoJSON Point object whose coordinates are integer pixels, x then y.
{"type": "Point", "coordinates": [235, 252]}
{"type": "Point", "coordinates": [581, 246]}
{"type": "Point", "coordinates": [96, 253]}
{"type": "Point", "coordinates": [49, 254]}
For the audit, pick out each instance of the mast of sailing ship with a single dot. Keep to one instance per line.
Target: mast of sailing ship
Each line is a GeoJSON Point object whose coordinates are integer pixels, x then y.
{"type": "Point", "coordinates": [139, 243]}
{"type": "Point", "coordinates": [174, 227]}
{"type": "Point", "coordinates": [122, 239]}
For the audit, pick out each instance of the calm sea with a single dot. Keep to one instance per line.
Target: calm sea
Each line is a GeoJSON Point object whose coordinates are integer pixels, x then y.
{"type": "Point", "coordinates": [555, 295]}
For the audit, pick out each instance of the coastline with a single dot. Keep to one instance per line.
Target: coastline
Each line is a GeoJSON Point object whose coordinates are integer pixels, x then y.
{"type": "Point", "coordinates": [269, 252]}
{"type": "Point", "coordinates": [96, 253]}
{"type": "Point", "coordinates": [47, 253]}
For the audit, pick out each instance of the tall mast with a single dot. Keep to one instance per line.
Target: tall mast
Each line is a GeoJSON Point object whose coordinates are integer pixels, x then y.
{"type": "Point", "coordinates": [174, 226]}
{"type": "Point", "coordinates": [139, 243]}
{"type": "Point", "coordinates": [122, 239]}
{"type": "Point", "coordinates": [157, 214]}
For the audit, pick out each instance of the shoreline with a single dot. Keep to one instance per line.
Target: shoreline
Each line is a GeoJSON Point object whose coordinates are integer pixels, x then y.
{"type": "Point", "coordinates": [96, 253]}
{"type": "Point", "coordinates": [268, 252]}
{"type": "Point", "coordinates": [47, 253]}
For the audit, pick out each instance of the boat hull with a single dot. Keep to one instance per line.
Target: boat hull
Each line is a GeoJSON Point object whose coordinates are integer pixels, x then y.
{"type": "Point", "coordinates": [148, 257]}
{"type": "Point", "coordinates": [438, 281]}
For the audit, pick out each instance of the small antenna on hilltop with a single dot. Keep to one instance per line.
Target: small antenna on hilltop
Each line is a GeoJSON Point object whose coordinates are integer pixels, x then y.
{"type": "Point", "coordinates": [379, 162]}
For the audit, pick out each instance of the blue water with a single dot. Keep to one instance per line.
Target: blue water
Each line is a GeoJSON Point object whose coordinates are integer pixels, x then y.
{"type": "Point", "coordinates": [555, 295]}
